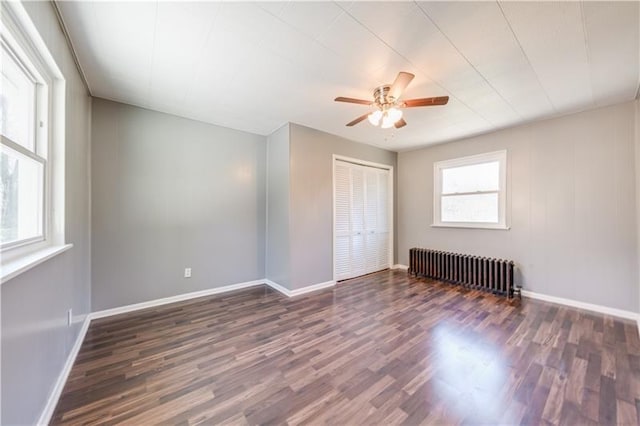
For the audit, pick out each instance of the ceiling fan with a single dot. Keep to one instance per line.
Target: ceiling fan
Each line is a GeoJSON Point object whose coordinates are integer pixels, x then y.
{"type": "Point", "coordinates": [386, 99]}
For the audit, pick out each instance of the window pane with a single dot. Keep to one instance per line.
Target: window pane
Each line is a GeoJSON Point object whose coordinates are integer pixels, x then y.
{"type": "Point", "coordinates": [470, 208]}
{"type": "Point", "coordinates": [17, 97]}
{"type": "Point", "coordinates": [21, 195]}
{"type": "Point", "coordinates": [477, 177]}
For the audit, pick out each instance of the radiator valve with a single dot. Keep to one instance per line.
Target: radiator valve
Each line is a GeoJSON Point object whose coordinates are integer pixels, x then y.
{"type": "Point", "coordinates": [517, 291]}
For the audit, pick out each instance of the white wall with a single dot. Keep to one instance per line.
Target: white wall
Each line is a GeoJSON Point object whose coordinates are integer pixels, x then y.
{"type": "Point", "coordinates": [35, 337]}
{"type": "Point", "coordinates": [571, 203]}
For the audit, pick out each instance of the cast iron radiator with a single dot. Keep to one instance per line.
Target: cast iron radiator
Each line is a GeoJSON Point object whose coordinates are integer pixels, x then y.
{"type": "Point", "coordinates": [494, 275]}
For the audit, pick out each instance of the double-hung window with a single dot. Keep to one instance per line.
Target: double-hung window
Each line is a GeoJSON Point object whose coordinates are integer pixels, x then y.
{"type": "Point", "coordinates": [32, 136]}
{"type": "Point", "coordinates": [470, 192]}
{"type": "Point", "coordinates": [23, 161]}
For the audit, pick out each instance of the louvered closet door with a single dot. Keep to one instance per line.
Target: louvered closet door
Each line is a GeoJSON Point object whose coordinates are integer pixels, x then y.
{"type": "Point", "coordinates": [362, 226]}
{"type": "Point", "coordinates": [342, 226]}
{"type": "Point", "coordinates": [371, 219]}
{"type": "Point", "coordinates": [383, 224]}
{"type": "Point", "coordinates": [358, 250]}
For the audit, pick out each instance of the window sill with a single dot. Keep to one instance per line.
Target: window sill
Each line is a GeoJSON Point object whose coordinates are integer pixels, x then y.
{"type": "Point", "coordinates": [22, 264]}
{"type": "Point", "coordinates": [471, 226]}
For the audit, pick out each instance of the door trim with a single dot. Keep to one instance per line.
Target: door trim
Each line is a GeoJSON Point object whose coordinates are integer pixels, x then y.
{"type": "Point", "coordinates": [390, 203]}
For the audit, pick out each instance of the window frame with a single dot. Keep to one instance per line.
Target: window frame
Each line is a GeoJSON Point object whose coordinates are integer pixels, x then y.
{"type": "Point", "coordinates": [38, 138]}
{"type": "Point", "coordinates": [31, 53]}
{"type": "Point", "coordinates": [440, 166]}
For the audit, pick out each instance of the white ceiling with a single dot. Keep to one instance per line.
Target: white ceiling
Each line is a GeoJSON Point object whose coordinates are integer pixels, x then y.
{"type": "Point", "coordinates": [255, 66]}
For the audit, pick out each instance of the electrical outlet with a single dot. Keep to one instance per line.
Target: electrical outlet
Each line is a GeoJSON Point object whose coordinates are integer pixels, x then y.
{"type": "Point", "coordinates": [187, 272]}
{"type": "Point", "coordinates": [69, 317]}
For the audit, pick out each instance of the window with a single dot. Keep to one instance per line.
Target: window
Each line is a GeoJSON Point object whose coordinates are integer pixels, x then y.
{"type": "Point", "coordinates": [22, 161]}
{"type": "Point", "coordinates": [32, 105]}
{"type": "Point", "coordinates": [470, 192]}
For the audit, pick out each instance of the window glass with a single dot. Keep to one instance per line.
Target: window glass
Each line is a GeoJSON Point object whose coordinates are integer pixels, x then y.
{"type": "Point", "coordinates": [470, 208]}
{"type": "Point", "coordinates": [17, 102]}
{"type": "Point", "coordinates": [21, 196]}
{"type": "Point", "coordinates": [472, 178]}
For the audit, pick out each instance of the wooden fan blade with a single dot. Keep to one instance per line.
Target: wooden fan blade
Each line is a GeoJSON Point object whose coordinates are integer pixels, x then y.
{"type": "Point", "coordinates": [402, 81]}
{"type": "Point", "coordinates": [400, 123]}
{"type": "Point", "coordinates": [412, 103]}
{"type": "Point", "coordinates": [357, 120]}
{"type": "Point", "coordinates": [352, 100]}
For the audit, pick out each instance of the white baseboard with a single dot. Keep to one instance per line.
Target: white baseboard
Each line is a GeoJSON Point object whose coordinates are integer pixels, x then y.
{"type": "Point", "coordinates": [173, 299]}
{"type": "Point", "coordinates": [299, 291]}
{"type": "Point", "coordinates": [277, 287]}
{"type": "Point", "coordinates": [54, 396]}
{"type": "Point", "coordinates": [399, 266]}
{"type": "Point", "coordinates": [209, 292]}
{"type": "Point", "coordinates": [314, 287]}
{"type": "Point", "coordinates": [583, 305]}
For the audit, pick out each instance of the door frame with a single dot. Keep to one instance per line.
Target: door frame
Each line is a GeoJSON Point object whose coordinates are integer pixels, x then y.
{"type": "Point", "coordinates": [390, 203]}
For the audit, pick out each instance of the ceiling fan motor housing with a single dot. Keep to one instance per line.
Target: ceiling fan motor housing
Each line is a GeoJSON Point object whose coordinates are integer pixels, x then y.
{"type": "Point", "coordinates": [382, 97]}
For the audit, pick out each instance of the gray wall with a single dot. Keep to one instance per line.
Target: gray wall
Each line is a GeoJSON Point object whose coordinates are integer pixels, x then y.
{"type": "Point", "coordinates": [277, 253]}
{"type": "Point", "coordinates": [311, 214]}
{"type": "Point", "coordinates": [35, 338]}
{"type": "Point", "coordinates": [170, 193]}
{"type": "Point", "coordinates": [637, 158]}
{"type": "Point", "coordinates": [571, 205]}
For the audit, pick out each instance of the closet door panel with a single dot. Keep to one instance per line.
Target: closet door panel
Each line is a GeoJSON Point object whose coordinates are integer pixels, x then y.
{"type": "Point", "coordinates": [342, 226]}
{"type": "Point", "coordinates": [371, 219]}
{"type": "Point", "coordinates": [371, 253]}
{"type": "Point", "coordinates": [357, 201]}
{"type": "Point", "coordinates": [342, 199]}
{"type": "Point", "coordinates": [384, 223]}
{"type": "Point", "coordinates": [358, 255]}
{"type": "Point", "coordinates": [343, 257]}
{"type": "Point", "coordinates": [382, 255]}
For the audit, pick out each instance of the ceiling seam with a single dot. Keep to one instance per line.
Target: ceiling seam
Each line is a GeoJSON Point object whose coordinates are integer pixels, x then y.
{"type": "Point", "coordinates": [424, 12]}
{"type": "Point", "coordinates": [198, 62]}
{"type": "Point", "coordinates": [328, 27]}
{"type": "Point", "coordinates": [421, 70]}
{"type": "Point", "coordinates": [526, 56]}
{"type": "Point", "coordinates": [586, 49]}
{"type": "Point", "coordinates": [72, 50]}
{"type": "Point", "coordinates": [153, 51]}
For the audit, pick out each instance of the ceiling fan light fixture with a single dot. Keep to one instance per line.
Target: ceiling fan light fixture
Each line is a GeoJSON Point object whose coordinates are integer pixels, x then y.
{"type": "Point", "coordinates": [375, 117]}
{"type": "Point", "coordinates": [394, 114]}
{"type": "Point", "coordinates": [390, 117]}
{"type": "Point", "coordinates": [387, 122]}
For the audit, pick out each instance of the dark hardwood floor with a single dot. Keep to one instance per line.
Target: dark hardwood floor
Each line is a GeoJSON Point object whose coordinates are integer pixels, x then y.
{"type": "Point", "coordinates": [382, 349]}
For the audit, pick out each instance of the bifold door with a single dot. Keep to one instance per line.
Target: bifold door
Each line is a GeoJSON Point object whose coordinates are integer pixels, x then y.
{"type": "Point", "coordinates": [362, 228]}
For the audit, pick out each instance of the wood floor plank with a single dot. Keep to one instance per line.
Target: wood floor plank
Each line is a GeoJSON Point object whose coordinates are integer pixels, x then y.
{"type": "Point", "coordinates": [386, 348]}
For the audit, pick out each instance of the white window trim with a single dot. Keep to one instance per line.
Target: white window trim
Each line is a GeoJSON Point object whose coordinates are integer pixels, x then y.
{"type": "Point", "coordinates": [23, 37]}
{"type": "Point", "coordinates": [438, 167]}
